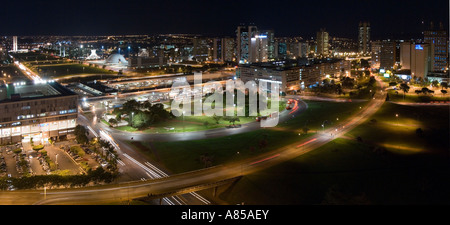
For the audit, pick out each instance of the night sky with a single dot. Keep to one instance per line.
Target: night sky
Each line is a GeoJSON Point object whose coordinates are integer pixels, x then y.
{"type": "Point", "coordinates": [388, 18]}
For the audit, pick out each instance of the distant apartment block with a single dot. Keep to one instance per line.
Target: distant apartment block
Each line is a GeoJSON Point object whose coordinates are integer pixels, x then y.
{"type": "Point", "coordinates": [364, 37]}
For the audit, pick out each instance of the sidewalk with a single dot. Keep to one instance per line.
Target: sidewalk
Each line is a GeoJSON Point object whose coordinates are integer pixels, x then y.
{"type": "Point", "coordinates": [433, 103]}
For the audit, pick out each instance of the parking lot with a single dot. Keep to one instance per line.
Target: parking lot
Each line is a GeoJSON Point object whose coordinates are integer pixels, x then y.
{"type": "Point", "coordinates": [52, 158]}
{"type": "Point", "coordinates": [12, 164]}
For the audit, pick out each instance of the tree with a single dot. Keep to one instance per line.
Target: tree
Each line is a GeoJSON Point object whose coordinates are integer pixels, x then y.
{"type": "Point", "coordinates": [130, 106]}
{"type": "Point", "coordinates": [405, 88]}
{"type": "Point", "coordinates": [113, 122]}
{"type": "Point", "coordinates": [444, 85]}
{"type": "Point", "coordinates": [232, 120]}
{"type": "Point", "coordinates": [443, 92]}
{"type": "Point", "coordinates": [80, 134]}
{"type": "Point", "coordinates": [216, 118]}
{"type": "Point", "coordinates": [419, 132]}
{"type": "Point", "coordinates": [158, 112]}
{"type": "Point", "coordinates": [393, 83]}
{"type": "Point", "coordinates": [348, 82]}
{"type": "Point", "coordinates": [420, 81]}
{"type": "Point", "coordinates": [118, 117]}
{"type": "Point", "coordinates": [359, 139]}
{"type": "Point", "coordinates": [109, 148]}
{"type": "Point", "coordinates": [418, 91]}
{"type": "Point", "coordinates": [141, 120]}
{"type": "Point", "coordinates": [425, 90]}
{"type": "Point", "coordinates": [262, 143]}
{"type": "Point", "coordinates": [435, 83]}
{"type": "Point", "coordinates": [206, 159]}
{"type": "Point", "coordinates": [17, 151]}
{"type": "Point", "coordinates": [305, 130]}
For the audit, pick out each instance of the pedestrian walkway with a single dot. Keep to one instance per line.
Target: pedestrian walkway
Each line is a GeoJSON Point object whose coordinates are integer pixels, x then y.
{"type": "Point", "coordinates": [432, 103]}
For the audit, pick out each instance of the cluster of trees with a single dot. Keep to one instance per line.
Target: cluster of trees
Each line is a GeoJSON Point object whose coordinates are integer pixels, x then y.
{"type": "Point", "coordinates": [333, 87]}
{"type": "Point", "coordinates": [110, 152]}
{"type": "Point", "coordinates": [81, 134]}
{"type": "Point", "coordinates": [230, 119]}
{"type": "Point", "coordinates": [424, 91]}
{"type": "Point", "coordinates": [206, 159]}
{"type": "Point", "coordinates": [364, 88]}
{"type": "Point", "coordinates": [141, 115]}
{"type": "Point", "coordinates": [362, 84]}
{"type": "Point", "coordinates": [329, 86]}
{"type": "Point", "coordinates": [32, 182]}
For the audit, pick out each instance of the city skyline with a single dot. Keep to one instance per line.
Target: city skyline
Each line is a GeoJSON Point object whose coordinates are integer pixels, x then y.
{"type": "Point", "coordinates": [210, 18]}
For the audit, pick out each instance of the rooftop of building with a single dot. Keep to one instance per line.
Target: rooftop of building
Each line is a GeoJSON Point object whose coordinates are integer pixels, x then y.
{"type": "Point", "coordinates": [100, 87]}
{"type": "Point", "coordinates": [290, 63]}
{"type": "Point", "coordinates": [29, 90]}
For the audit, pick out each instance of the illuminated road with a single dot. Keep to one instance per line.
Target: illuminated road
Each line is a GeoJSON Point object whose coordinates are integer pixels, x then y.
{"type": "Point", "coordinates": [124, 191]}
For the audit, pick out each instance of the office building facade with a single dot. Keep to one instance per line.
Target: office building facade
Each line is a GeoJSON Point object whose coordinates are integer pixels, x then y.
{"type": "Point", "coordinates": [416, 57]}
{"type": "Point", "coordinates": [244, 35]}
{"type": "Point", "coordinates": [438, 40]}
{"type": "Point", "coordinates": [383, 54]}
{"type": "Point", "coordinates": [36, 112]}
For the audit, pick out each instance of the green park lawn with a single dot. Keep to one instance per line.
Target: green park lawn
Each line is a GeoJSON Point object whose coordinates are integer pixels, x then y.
{"type": "Point", "coordinates": [193, 123]}
{"type": "Point", "coordinates": [411, 169]}
{"type": "Point", "coordinates": [184, 156]}
{"type": "Point", "coordinates": [64, 70]}
{"type": "Point", "coordinates": [413, 98]}
{"type": "Point", "coordinates": [33, 56]}
{"type": "Point", "coordinates": [189, 124]}
{"type": "Point", "coordinates": [319, 112]}
{"type": "Point", "coordinates": [398, 134]}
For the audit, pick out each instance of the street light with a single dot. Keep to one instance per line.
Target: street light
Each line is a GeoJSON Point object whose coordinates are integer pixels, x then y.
{"type": "Point", "coordinates": [132, 114]}
{"type": "Point", "coordinates": [239, 163]}
{"type": "Point", "coordinates": [56, 161]}
{"type": "Point", "coordinates": [396, 115]}
{"type": "Point", "coordinates": [183, 120]}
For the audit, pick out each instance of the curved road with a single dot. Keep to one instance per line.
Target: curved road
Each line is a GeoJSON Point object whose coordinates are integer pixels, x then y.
{"type": "Point", "coordinates": [204, 134]}
{"type": "Point", "coordinates": [120, 192]}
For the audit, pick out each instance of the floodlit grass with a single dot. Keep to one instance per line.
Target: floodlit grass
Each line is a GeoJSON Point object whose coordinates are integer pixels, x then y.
{"type": "Point", "coordinates": [63, 70]}
{"type": "Point", "coordinates": [399, 134]}
{"type": "Point", "coordinates": [319, 112]}
{"type": "Point", "coordinates": [62, 172]}
{"type": "Point", "coordinates": [126, 128]}
{"type": "Point", "coordinates": [105, 122]}
{"type": "Point", "coordinates": [346, 172]}
{"type": "Point", "coordinates": [33, 56]}
{"type": "Point", "coordinates": [193, 123]}
{"type": "Point", "coordinates": [411, 169]}
{"type": "Point", "coordinates": [410, 97]}
{"type": "Point", "coordinates": [184, 156]}
{"type": "Point", "coordinates": [190, 124]}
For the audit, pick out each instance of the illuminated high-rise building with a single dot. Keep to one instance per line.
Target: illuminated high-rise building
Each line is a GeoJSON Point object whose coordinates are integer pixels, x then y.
{"type": "Point", "coordinates": [244, 35]}
{"type": "Point", "coordinates": [228, 49]}
{"type": "Point", "coordinates": [322, 43]}
{"type": "Point", "coordinates": [383, 54]}
{"type": "Point", "coordinates": [417, 58]}
{"type": "Point", "coordinates": [438, 39]}
{"type": "Point", "coordinates": [15, 44]}
{"type": "Point", "coordinates": [364, 37]}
